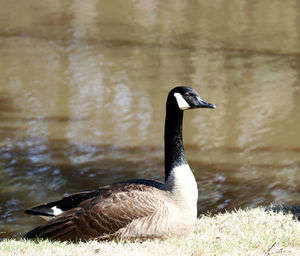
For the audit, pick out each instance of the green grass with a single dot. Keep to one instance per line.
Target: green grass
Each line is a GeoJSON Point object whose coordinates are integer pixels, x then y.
{"type": "Point", "coordinates": [243, 232]}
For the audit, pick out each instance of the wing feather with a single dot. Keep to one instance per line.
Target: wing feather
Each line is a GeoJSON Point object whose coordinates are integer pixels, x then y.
{"type": "Point", "coordinates": [100, 216]}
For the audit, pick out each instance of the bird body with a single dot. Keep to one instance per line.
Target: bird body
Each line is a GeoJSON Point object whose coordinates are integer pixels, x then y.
{"type": "Point", "coordinates": [136, 208]}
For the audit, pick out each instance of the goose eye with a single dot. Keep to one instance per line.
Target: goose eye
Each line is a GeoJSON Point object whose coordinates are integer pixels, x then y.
{"type": "Point", "coordinates": [188, 94]}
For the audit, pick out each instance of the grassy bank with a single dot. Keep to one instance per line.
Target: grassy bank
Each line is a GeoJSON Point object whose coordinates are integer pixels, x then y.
{"type": "Point", "coordinates": [251, 232]}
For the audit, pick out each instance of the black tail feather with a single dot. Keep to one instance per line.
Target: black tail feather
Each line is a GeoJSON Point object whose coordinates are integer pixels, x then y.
{"type": "Point", "coordinates": [40, 212]}
{"type": "Point", "coordinates": [33, 234]}
{"type": "Point", "coordinates": [62, 229]}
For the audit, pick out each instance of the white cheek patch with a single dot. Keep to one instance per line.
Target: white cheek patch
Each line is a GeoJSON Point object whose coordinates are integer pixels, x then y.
{"type": "Point", "coordinates": [182, 104]}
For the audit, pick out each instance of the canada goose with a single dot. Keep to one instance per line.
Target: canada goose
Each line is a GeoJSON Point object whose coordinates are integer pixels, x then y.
{"type": "Point", "coordinates": [135, 208]}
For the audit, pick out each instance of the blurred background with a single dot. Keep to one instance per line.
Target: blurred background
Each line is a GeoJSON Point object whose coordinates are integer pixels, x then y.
{"type": "Point", "coordinates": [83, 86]}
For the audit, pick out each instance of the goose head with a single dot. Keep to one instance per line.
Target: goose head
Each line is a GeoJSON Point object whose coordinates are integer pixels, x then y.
{"type": "Point", "coordinates": [187, 98]}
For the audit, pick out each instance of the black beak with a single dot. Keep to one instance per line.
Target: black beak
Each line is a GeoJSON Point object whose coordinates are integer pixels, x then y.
{"type": "Point", "coordinates": [197, 102]}
{"type": "Point", "coordinates": [204, 104]}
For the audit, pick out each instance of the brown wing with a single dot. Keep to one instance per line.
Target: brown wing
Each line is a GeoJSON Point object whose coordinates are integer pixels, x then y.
{"type": "Point", "coordinates": [100, 217]}
{"type": "Point", "coordinates": [74, 200]}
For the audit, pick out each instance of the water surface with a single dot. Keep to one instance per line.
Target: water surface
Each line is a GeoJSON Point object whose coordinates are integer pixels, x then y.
{"type": "Point", "coordinates": [83, 88]}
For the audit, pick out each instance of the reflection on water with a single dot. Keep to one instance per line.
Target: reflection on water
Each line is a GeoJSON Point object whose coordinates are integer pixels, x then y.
{"type": "Point", "coordinates": [83, 88]}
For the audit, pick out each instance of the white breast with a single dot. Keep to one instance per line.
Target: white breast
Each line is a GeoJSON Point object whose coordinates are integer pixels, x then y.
{"type": "Point", "coordinates": [183, 188]}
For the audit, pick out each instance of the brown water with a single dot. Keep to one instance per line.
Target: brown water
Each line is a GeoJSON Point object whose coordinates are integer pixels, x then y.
{"type": "Point", "coordinates": [82, 98]}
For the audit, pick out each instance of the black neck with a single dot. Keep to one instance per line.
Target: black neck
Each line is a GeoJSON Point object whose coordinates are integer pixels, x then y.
{"type": "Point", "coordinates": [174, 151]}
